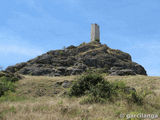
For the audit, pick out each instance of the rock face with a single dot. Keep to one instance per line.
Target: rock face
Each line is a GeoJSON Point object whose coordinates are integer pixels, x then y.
{"type": "Point", "coordinates": [13, 77]}
{"type": "Point", "coordinates": [76, 60]}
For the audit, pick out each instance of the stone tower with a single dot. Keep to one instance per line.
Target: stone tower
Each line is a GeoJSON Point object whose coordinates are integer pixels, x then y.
{"type": "Point", "coordinates": [95, 33]}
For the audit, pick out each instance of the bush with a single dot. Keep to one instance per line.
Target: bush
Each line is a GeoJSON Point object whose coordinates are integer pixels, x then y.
{"type": "Point", "coordinates": [135, 98]}
{"type": "Point", "coordinates": [97, 90]}
{"type": "Point", "coordinates": [99, 93]}
{"type": "Point", "coordinates": [82, 44]}
{"type": "Point", "coordinates": [85, 84]}
{"type": "Point", "coordinates": [127, 93]}
{"type": "Point", "coordinates": [6, 84]}
{"type": "Point", "coordinates": [9, 79]}
{"type": "Point", "coordinates": [102, 90]}
{"type": "Point", "coordinates": [93, 85]}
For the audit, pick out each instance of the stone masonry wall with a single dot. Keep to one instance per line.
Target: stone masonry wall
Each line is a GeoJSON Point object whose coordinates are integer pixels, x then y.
{"type": "Point", "coordinates": [95, 33]}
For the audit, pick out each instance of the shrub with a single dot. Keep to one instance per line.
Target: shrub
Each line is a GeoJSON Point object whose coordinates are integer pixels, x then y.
{"type": "Point", "coordinates": [99, 93]}
{"type": "Point", "coordinates": [6, 84]}
{"type": "Point", "coordinates": [135, 98]}
{"type": "Point", "coordinates": [9, 79]}
{"type": "Point", "coordinates": [97, 90]}
{"type": "Point", "coordinates": [102, 90]}
{"type": "Point", "coordinates": [94, 86]}
{"type": "Point", "coordinates": [82, 44]}
{"type": "Point", "coordinates": [85, 83]}
{"type": "Point", "coordinates": [127, 93]}
{"type": "Point", "coordinates": [61, 52]}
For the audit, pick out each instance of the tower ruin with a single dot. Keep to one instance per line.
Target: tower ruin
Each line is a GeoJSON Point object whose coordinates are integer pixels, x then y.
{"type": "Point", "coordinates": [95, 33]}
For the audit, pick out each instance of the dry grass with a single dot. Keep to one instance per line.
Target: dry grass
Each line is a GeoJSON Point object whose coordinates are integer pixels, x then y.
{"type": "Point", "coordinates": [139, 82]}
{"type": "Point", "coordinates": [50, 106]}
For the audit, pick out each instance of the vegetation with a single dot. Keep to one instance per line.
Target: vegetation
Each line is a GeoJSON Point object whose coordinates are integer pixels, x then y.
{"type": "Point", "coordinates": [7, 84]}
{"type": "Point", "coordinates": [53, 105]}
{"type": "Point", "coordinates": [82, 44]}
{"type": "Point", "coordinates": [97, 89]}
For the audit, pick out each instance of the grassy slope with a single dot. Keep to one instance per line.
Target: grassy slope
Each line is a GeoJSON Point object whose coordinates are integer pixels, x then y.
{"type": "Point", "coordinates": [37, 98]}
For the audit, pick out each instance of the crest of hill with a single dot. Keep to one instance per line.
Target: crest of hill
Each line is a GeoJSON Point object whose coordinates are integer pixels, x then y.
{"type": "Point", "coordinates": [75, 60]}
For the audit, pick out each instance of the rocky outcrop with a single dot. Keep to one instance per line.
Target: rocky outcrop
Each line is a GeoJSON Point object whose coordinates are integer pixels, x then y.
{"type": "Point", "coordinates": [12, 77]}
{"type": "Point", "coordinates": [76, 60]}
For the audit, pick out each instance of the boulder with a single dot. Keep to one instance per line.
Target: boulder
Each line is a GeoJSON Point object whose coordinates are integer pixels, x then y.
{"type": "Point", "coordinates": [129, 90]}
{"type": "Point", "coordinates": [76, 71]}
{"type": "Point", "coordinates": [66, 84]}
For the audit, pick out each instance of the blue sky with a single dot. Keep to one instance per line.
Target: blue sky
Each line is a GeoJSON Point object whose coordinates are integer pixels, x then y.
{"type": "Point", "coordinates": [31, 27]}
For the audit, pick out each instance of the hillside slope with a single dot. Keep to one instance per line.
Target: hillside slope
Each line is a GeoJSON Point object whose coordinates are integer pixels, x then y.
{"type": "Point", "coordinates": [42, 98]}
{"type": "Point", "coordinates": [76, 60]}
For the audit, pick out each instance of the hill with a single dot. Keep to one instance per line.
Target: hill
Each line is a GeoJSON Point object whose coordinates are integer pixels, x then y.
{"type": "Point", "coordinates": [42, 98]}
{"type": "Point", "coordinates": [75, 60]}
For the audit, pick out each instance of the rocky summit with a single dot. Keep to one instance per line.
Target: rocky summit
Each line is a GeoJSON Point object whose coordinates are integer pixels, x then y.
{"type": "Point", "coordinates": [75, 60]}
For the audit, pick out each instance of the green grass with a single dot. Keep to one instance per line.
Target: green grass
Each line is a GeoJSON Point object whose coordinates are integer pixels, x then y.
{"type": "Point", "coordinates": [12, 97]}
